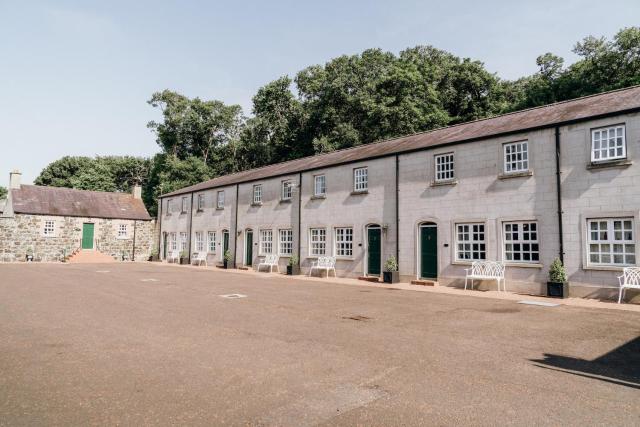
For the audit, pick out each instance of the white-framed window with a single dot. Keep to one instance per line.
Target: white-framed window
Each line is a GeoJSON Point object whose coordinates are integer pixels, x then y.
{"type": "Point", "coordinates": [185, 204]}
{"type": "Point", "coordinates": [285, 242]}
{"type": "Point", "coordinates": [199, 241]}
{"type": "Point", "coordinates": [344, 242]}
{"type": "Point", "coordinates": [319, 185]}
{"type": "Point", "coordinates": [169, 207]}
{"type": "Point", "coordinates": [444, 167]}
{"type": "Point", "coordinates": [257, 193]}
{"type": "Point", "coordinates": [211, 241]}
{"type": "Point", "coordinates": [200, 202]}
{"type": "Point", "coordinates": [173, 241]}
{"type": "Point", "coordinates": [611, 241]}
{"type": "Point", "coordinates": [608, 144]}
{"type": "Point", "coordinates": [360, 179]}
{"type": "Point", "coordinates": [470, 242]}
{"type": "Point", "coordinates": [317, 241]}
{"type": "Point", "coordinates": [220, 199]}
{"type": "Point", "coordinates": [183, 241]}
{"type": "Point", "coordinates": [286, 190]}
{"type": "Point", "coordinates": [516, 157]}
{"type": "Point", "coordinates": [122, 231]}
{"type": "Point", "coordinates": [521, 241]}
{"type": "Point", "coordinates": [49, 229]}
{"type": "Point", "coordinates": [266, 241]}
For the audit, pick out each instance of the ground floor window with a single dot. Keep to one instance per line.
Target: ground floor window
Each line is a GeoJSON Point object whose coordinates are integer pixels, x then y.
{"type": "Point", "coordinates": [521, 241]}
{"type": "Point", "coordinates": [199, 241]}
{"type": "Point", "coordinates": [317, 241]}
{"type": "Point", "coordinates": [266, 241]}
{"type": "Point", "coordinates": [286, 242]}
{"type": "Point", "coordinates": [211, 241]}
{"type": "Point", "coordinates": [470, 242]}
{"type": "Point", "coordinates": [183, 241]}
{"type": "Point", "coordinates": [344, 242]}
{"type": "Point", "coordinates": [173, 243]}
{"type": "Point", "coordinates": [611, 241]}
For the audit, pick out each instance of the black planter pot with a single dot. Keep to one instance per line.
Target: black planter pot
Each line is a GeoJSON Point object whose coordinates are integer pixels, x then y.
{"type": "Point", "coordinates": [184, 260]}
{"type": "Point", "coordinates": [558, 289]}
{"type": "Point", "coordinates": [154, 258]}
{"type": "Point", "coordinates": [225, 264]}
{"type": "Point", "coordinates": [293, 270]}
{"type": "Point", "coordinates": [391, 276]}
{"type": "Point", "coordinates": [29, 258]}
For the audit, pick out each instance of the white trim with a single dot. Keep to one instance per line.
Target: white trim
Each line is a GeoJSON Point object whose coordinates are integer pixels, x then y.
{"type": "Point", "coordinates": [604, 153]}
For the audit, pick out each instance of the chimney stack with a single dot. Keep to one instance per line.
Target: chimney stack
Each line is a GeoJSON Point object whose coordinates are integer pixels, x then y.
{"type": "Point", "coordinates": [137, 192]}
{"type": "Point", "coordinates": [14, 179]}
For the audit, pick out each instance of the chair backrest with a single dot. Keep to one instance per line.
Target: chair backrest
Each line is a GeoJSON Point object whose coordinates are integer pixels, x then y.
{"type": "Point", "coordinates": [632, 276]}
{"type": "Point", "coordinates": [326, 262]}
{"type": "Point", "coordinates": [173, 254]}
{"type": "Point", "coordinates": [487, 268]}
{"type": "Point", "coordinates": [271, 259]}
{"type": "Point", "coordinates": [200, 256]}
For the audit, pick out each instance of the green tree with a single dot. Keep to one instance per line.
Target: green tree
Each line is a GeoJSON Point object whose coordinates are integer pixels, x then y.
{"type": "Point", "coordinates": [3, 192]}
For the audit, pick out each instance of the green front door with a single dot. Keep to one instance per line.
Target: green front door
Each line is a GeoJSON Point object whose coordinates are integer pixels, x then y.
{"type": "Point", "coordinates": [374, 251]}
{"type": "Point", "coordinates": [87, 235]}
{"type": "Point", "coordinates": [164, 247]}
{"type": "Point", "coordinates": [225, 242]}
{"type": "Point", "coordinates": [249, 257]}
{"type": "Point", "coordinates": [429, 252]}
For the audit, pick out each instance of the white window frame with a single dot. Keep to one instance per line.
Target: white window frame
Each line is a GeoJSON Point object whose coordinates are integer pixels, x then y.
{"type": "Point", "coordinates": [286, 192]}
{"type": "Point", "coordinates": [521, 246]}
{"type": "Point", "coordinates": [361, 179]}
{"type": "Point", "coordinates": [220, 199]}
{"type": "Point", "coordinates": [169, 207]}
{"type": "Point", "coordinates": [173, 241]}
{"type": "Point", "coordinates": [200, 202]}
{"type": "Point", "coordinates": [615, 139]}
{"type": "Point", "coordinates": [266, 242]}
{"type": "Point", "coordinates": [608, 238]}
{"type": "Point", "coordinates": [343, 242]}
{"type": "Point", "coordinates": [199, 242]}
{"type": "Point", "coordinates": [317, 242]}
{"type": "Point", "coordinates": [471, 240]}
{"type": "Point", "coordinates": [257, 194]}
{"type": "Point", "coordinates": [211, 242]}
{"type": "Point", "coordinates": [185, 205]}
{"type": "Point", "coordinates": [122, 231]}
{"type": "Point", "coordinates": [285, 242]}
{"type": "Point", "coordinates": [444, 167]}
{"type": "Point", "coordinates": [320, 185]}
{"type": "Point", "coordinates": [183, 241]}
{"type": "Point", "coordinates": [49, 228]}
{"type": "Point", "coordinates": [516, 157]}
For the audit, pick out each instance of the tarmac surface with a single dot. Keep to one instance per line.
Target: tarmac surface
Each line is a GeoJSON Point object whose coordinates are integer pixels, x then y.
{"type": "Point", "coordinates": [147, 344]}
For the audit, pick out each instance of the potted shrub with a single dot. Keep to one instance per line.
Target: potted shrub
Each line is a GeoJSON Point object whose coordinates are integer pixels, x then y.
{"type": "Point", "coordinates": [390, 273]}
{"type": "Point", "coordinates": [29, 255]}
{"type": "Point", "coordinates": [183, 258]}
{"type": "Point", "coordinates": [293, 268]}
{"type": "Point", "coordinates": [226, 259]}
{"type": "Point", "coordinates": [557, 286]}
{"type": "Point", "coordinates": [154, 255]}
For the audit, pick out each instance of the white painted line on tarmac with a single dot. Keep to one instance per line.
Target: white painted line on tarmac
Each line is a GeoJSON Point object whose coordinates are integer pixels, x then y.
{"type": "Point", "coordinates": [103, 271]}
{"type": "Point", "coordinates": [148, 280]}
{"type": "Point", "coordinates": [541, 303]}
{"type": "Point", "coordinates": [232, 296]}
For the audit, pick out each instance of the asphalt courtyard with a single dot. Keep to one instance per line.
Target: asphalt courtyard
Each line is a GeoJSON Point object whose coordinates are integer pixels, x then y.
{"type": "Point", "coordinates": [144, 344]}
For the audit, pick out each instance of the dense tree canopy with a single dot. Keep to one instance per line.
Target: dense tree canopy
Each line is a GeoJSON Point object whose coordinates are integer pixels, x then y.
{"type": "Point", "coordinates": [3, 192]}
{"type": "Point", "coordinates": [349, 101]}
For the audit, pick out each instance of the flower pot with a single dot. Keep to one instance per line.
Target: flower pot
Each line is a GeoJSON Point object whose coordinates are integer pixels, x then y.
{"type": "Point", "coordinates": [391, 276]}
{"type": "Point", "coordinates": [225, 264]}
{"type": "Point", "coordinates": [184, 260]}
{"type": "Point", "coordinates": [154, 258]}
{"type": "Point", "coordinates": [293, 270]}
{"type": "Point", "coordinates": [29, 258]}
{"type": "Point", "coordinates": [558, 289]}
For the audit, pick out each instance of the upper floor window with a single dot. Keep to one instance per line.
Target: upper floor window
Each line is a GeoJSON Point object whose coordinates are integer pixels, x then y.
{"type": "Point", "coordinates": [286, 242]}
{"type": "Point", "coordinates": [200, 202]}
{"type": "Point", "coordinates": [317, 241]}
{"type": "Point", "coordinates": [169, 206]}
{"type": "Point", "coordinates": [199, 241]}
{"type": "Point", "coordinates": [360, 179]}
{"type": "Point", "coordinates": [257, 193]}
{"type": "Point", "coordinates": [286, 190]}
{"type": "Point", "coordinates": [608, 144]}
{"type": "Point", "coordinates": [220, 200]}
{"type": "Point", "coordinates": [344, 242]}
{"type": "Point", "coordinates": [470, 242]}
{"type": "Point", "coordinates": [266, 241]}
{"type": "Point", "coordinates": [521, 242]}
{"type": "Point", "coordinates": [211, 241]}
{"type": "Point", "coordinates": [611, 241]}
{"type": "Point", "coordinates": [319, 186]}
{"type": "Point", "coordinates": [516, 157]}
{"type": "Point", "coordinates": [49, 228]}
{"type": "Point", "coordinates": [185, 204]}
{"type": "Point", "coordinates": [122, 231]}
{"type": "Point", "coordinates": [444, 167]}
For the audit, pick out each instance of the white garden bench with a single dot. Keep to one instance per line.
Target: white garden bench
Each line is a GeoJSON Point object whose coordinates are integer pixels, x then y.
{"type": "Point", "coordinates": [270, 261]}
{"type": "Point", "coordinates": [486, 270]}
{"type": "Point", "coordinates": [174, 256]}
{"type": "Point", "coordinates": [326, 263]}
{"type": "Point", "coordinates": [630, 279]}
{"type": "Point", "coordinates": [200, 258]}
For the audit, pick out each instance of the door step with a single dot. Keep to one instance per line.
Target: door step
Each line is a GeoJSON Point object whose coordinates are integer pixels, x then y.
{"type": "Point", "coordinates": [243, 268]}
{"type": "Point", "coordinates": [425, 282]}
{"type": "Point", "coordinates": [369, 279]}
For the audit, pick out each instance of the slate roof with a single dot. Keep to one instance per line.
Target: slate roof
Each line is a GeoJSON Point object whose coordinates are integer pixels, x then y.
{"type": "Point", "coordinates": [593, 106]}
{"type": "Point", "coordinates": [42, 200]}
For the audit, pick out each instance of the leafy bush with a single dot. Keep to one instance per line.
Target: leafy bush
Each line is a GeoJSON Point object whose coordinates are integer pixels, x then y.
{"type": "Point", "coordinates": [227, 255]}
{"type": "Point", "coordinates": [557, 272]}
{"type": "Point", "coordinates": [391, 264]}
{"type": "Point", "coordinates": [293, 260]}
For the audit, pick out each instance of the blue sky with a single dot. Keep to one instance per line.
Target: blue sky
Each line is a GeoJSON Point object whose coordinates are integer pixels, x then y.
{"type": "Point", "coordinates": [75, 75]}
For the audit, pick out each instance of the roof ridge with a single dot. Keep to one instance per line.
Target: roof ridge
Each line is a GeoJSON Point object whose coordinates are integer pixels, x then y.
{"type": "Point", "coordinates": [75, 189]}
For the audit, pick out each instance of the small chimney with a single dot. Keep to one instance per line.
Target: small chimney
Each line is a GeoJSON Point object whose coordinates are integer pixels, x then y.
{"type": "Point", "coordinates": [14, 179]}
{"type": "Point", "coordinates": [137, 192]}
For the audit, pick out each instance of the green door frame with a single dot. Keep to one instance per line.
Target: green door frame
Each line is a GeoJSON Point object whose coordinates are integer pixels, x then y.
{"type": "Point", "coordinates": [225, 242]}
{"type": "Point", "coordinates": [428, 253]}
{"type": "Point", "coordinates": [87, 235]}
{"type": "Point", "coordinates": [374, 258]}
{"type": "Point", "coordinates": [248, 250]}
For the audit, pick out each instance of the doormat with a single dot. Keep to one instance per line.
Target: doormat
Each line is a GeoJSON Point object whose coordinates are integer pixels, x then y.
{"type": "Point", "coordinates": [232, 296]}
{"type": "Point", "coordinates": [541, 303]}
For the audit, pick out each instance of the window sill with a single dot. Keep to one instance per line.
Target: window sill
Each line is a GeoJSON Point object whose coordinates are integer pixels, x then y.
{"type": "Point", "coordinates": [443, 183]}
{"type": "Point", "coordinates": [515, 175]}
{"type": "Point", "coordinates": [318, 197]}
{"type": "Point", "coordinates": [285, 200]}
{"type": "Point", "coordinates": [345, 258]}
{"type": "Point", "coordinates": [358, 193]}
{"type": "Point", "coordinates": [220, 209]}
{"type": "Point", "coordinates": [468, 263]}
{"type": "Point", "coordinates": [199, 210]}
{"type": "Point", "coordinates": [523, 264]}
{"type": "Point", "coordinates": [621, 163]}
{"type": "Point", "coordinates": [256, 204]}
{"type": "Point", "coordinates": [606, 267]}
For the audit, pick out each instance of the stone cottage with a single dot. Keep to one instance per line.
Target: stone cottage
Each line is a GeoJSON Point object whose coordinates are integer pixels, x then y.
{"type": "Point", "coordinates": [55, 224]}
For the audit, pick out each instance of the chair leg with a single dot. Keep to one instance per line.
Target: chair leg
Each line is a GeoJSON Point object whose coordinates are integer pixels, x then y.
{"type": "Point", "coordinates": [465, 283]}
{"type": "Point", "coordinates": [620, 295]}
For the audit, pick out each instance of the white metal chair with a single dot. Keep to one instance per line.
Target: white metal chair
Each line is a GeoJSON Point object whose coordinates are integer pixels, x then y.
{"type": "Point", "coordinates": [270, 261]}
{"type": "Point", "coordinates": [630, 279]}
{"type": "Point", "coordinates": [174, 256]}
{"type": "Point", "coordinates": [200, 258]}
{"type": "Point", "coordinates": [486, 270]}
{"type": "Point", "coordinates": [327, 263]}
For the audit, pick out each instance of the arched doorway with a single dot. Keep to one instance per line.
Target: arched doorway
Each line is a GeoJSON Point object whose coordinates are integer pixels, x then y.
{"type": "Point", "coordinates": [374, 250]}
{"type": "Point", "coordinates": [248, 247]}
{"type": "Point", "coordinates": [428, 250]}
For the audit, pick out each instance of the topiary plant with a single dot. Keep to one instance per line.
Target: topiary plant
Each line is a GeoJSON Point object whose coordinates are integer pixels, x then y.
{"type": "Point", "coordinates": [293, 260]}
{"type": "Point", "coordinates": [557, 272]}
{"type": "Point", "coordinates": [227, 255]}
{"type": "Point", "coordinates": [391, 264]}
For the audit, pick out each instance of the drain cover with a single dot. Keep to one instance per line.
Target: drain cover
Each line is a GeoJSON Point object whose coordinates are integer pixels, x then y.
{"type": "Point", "coordinates": [232, 296]}
{"type": "Point", "coordinates": [541, 303]}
